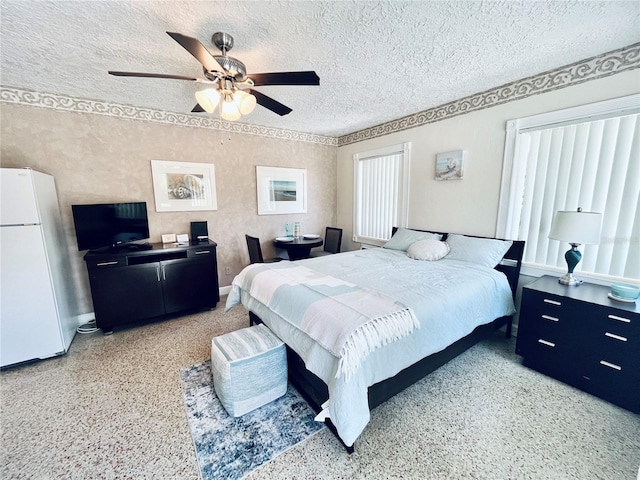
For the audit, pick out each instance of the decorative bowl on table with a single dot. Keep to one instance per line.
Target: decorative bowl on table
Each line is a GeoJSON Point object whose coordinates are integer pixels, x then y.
{"type": "Point", "coordinates": [310, 236]}
{"type": "Point", "coordinates": [624, 292]}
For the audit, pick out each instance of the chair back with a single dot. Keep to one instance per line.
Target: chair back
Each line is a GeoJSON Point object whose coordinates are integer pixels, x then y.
{"type": "Point", "coordinates": [255, 252]}
{"type": "Point", "coordinates": [332, 239]}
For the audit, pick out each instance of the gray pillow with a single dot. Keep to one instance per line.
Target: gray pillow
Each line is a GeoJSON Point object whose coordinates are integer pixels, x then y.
{"type": "Point", "coordinates": [483, 251]}
{"type": "Point", "coordinates": [403, 238]}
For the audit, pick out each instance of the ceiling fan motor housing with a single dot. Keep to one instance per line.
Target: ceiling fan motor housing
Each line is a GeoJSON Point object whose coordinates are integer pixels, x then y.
{"type": "Point", "coordinates": [234, 67]}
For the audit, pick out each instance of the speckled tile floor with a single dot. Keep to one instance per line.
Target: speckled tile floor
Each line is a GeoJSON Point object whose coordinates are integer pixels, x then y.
{"type": "Point", "coordinates": [112, 409]}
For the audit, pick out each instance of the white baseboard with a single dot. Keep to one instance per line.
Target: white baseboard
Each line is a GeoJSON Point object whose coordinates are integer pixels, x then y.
{"type": "Point", "coordinates": [225, 290]}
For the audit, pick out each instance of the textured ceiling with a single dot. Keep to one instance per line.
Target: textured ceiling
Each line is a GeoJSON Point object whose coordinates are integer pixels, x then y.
{"type": "Point", "coordinates": [377, 60]}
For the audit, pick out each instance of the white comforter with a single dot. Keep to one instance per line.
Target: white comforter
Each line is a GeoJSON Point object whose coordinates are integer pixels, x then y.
{"type": "Point", "coordinates": [450, 298]}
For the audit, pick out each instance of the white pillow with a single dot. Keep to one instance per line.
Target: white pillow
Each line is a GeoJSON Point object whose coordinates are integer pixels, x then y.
{"type": "Point", "coordinates": [404, 237]}
{"type": "Point", "coordinates": [428, 250]}
{"type": "Point", "coordinates": [483, 251]}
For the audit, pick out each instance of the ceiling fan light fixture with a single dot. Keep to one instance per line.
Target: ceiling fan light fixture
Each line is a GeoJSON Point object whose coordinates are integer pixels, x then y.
{"type": "Point", "coordinates": [229, 110]}
{"type": "Point", "coordinates": [245, 101]}
{"type": "Point", "coordinates": [208, 99]}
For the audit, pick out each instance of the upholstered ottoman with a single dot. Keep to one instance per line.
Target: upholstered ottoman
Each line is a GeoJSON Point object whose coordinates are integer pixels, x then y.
{"type": "Point", "coordinates": [249, 368]}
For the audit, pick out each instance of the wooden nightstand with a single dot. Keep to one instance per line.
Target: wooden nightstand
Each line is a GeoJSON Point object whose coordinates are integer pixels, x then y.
{"type": "Point", "coordinates": [581, 337]}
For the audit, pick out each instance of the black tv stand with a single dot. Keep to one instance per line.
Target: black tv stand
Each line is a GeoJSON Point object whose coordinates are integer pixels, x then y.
{"type": "Point", "coordinates": [151, 280]}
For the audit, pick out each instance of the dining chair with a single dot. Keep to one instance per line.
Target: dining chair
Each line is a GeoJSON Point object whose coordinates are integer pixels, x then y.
{"type": "Point", "coordinates": [332, 242]}
{"type": "Point", "coordinates": [255, 251]}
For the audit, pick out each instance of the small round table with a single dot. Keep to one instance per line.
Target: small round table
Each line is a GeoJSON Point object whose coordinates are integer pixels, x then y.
{"type": "Point", "coordinates": [300, 247]}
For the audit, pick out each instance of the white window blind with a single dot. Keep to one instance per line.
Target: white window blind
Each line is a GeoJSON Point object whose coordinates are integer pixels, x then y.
{"type": "Point", "coordinates": [594, 165]}
{"type": "Point", "coordinates": [381, 193]}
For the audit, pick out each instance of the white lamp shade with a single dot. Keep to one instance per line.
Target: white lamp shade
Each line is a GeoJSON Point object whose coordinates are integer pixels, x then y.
{"type": "Point", "coordinates": [229, 110]}
{"type": "Point", "coordinates": [576, 227]}
{"type": "Point", "coordinates": [245, 101]}
{"type": "Point", "coordinates": [208, 99]}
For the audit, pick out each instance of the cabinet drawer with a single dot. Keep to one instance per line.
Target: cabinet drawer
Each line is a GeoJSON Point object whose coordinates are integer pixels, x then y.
{"type": "Point", "coordinates": [204, 251]}
{"type": "Point", "coordinates": [546, 349]}
{"type": "Point", "coordinates": [616, 348]}
{"type": "Point", "coordinates": [106, 262]}
{"type": "Point", "coordinates": [620, 323]}
{"type": "Point", "coordinates": [616, 382]}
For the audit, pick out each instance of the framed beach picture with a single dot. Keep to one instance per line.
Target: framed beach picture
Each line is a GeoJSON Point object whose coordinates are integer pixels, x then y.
{"type": "Point", "coordinates": [183, 186]}
{"type": "Point", "coordinates": [450, 165]}
{"type": "Point", "coordinates": [281, 190]}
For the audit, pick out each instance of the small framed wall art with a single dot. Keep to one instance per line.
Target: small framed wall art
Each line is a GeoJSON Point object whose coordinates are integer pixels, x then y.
{"type": "Point", "coordinates": [450, 165]}
{"type": "Point", "coordinates": [183, 186]}
{"type": "Point", "coordinates": [281, 190]}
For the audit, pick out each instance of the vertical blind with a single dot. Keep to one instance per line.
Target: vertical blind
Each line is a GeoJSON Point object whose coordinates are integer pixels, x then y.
{"type": "Point", "coordinates": [593, 165]}
{"type": "Point", "coordinates": [380, 195]}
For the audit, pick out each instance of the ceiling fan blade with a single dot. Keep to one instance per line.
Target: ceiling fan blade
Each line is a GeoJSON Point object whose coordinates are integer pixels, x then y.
{"type": "Point", "coordinates": [195, 48]}
{"type": "Point", "coordinates": [270, 103]}
{"type": "Point", "coordinates": [152, 75]}
{"type": "Point", "coordinates": [197, 109]}
{"type": "Point", "coordinates": [285, 78]}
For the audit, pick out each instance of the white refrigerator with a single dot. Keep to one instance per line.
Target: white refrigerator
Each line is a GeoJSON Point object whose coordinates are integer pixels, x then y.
{"type": "Point", "coordinates": [35, 271]}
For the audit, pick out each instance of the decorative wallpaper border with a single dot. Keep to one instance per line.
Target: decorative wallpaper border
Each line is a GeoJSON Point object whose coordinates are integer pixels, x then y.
{"type": "Point", "coordinates": [600, 66]}
{"type": "Point", "coordinates": [77, 105]}
{"type": "Point", "coordinates": [611, 63]}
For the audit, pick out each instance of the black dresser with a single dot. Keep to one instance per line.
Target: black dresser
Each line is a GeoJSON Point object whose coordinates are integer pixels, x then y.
{"type": "Point", "coordinates": [580, 336]}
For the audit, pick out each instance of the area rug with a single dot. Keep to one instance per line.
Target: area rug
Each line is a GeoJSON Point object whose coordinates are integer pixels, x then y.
{"type": "Point", "coordinates": [230, 448]}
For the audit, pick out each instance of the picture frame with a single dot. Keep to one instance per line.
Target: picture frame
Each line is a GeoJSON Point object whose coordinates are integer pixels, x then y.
{"type": "Point", "coordinates": [183, 186]}
{"type": "Point", "coordinates": [450, 165]}
{"type": "Point", "coordinates": [281, 190]}
{"type": "Point", "coordinates": [169, 238]}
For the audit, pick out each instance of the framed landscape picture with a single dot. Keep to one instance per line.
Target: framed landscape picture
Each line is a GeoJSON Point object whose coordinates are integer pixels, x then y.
{"type": "Point", "coordinates": [183, 186]}
{"type": "Point", "coordinates": [281, 190]}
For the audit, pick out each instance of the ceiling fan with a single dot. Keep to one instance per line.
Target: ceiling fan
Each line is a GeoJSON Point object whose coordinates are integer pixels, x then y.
{"type": "Point", "coordinates": [230, 85]}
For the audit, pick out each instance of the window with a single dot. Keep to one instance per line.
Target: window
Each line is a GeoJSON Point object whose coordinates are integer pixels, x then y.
{"type": "Point", "coordinates": [381, 193]}
{"type": "Point", "coordinates": [586, 157]}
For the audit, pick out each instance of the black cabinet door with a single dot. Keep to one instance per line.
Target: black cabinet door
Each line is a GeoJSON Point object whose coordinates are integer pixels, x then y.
{"type": "Point", "coordinates": [123, 295]}
{"type": "Point", "coordinates": [189, 284]}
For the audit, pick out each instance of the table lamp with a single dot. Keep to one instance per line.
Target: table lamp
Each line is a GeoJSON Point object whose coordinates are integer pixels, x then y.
{"type": "Point", "coordinates": [575, 227]}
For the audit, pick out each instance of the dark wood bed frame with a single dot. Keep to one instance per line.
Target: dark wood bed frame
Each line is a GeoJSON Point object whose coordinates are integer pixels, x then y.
{"type": "Point", "coordinates": [315, 391]}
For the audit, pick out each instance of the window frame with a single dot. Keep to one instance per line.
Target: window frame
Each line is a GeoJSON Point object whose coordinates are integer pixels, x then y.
{"type": "Point", "coordinates": [513, 176]}
{"type": "Point", "coordinates": [403, 188]}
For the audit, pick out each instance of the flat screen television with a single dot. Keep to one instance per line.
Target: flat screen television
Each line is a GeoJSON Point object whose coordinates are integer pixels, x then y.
{"type": "Point", "coordinates": [106, 225]}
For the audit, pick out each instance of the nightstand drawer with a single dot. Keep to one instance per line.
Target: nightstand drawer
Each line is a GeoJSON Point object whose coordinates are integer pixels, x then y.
{"type": "Point", "coordinates": [548, 350]}
{"type": "Point", "coordinates": [622, 324]}
{"type": "Point", "coordinates": [614, 381]}
{"type": "Point", "coordinates": [615, 352]}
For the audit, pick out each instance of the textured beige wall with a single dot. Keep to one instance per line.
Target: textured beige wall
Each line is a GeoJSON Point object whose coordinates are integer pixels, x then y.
{"type": "Point", "coordinates": [469, 205]}
{"type": "Point", "coordinates": [101, 159]}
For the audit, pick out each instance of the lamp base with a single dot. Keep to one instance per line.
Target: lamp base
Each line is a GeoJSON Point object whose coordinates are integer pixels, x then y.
{"type": "Point", "coordinates": [570, 280]}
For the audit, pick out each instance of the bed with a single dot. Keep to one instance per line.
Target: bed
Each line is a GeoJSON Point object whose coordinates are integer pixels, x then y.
{"type": "Point", "coordinates": [431, 309]}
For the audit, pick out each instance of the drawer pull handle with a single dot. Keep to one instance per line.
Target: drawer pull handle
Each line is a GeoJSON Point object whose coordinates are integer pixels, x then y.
{"type": "Point", "coordinates": [620, 319]}
{"type": "Point", "coordinates": [610, 365]}
{"type": "Point", "coordinates": [104, 264]}
{"type": "Point", "coordinates": [200, 252]}
{"type": "Point", "coordinates": [544, 342]}
{"type": "Point", "coordinates": [617, 337]}
{"type": "Point", "coordinates": [552, 302]}
{"type": "Point", "coordinates": [548, 317]}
